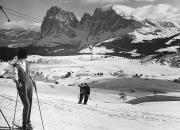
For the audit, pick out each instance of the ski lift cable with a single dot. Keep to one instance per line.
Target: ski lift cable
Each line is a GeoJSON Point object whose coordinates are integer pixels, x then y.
{"type": "Point", "coordinates": [22, 14]}
{"type": "Point", "coordinates": [1, 8]}
{"type": "Point", "coordinates": [23, 17]}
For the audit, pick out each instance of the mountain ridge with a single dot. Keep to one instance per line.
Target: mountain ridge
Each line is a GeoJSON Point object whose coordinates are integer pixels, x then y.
{"type": "Point", "coordinates": [102, 22]}
{"type": "Point", "coordinates": [62, 33]}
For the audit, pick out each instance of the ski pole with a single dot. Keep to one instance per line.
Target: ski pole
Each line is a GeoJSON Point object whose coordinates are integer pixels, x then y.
{"type": "Point", "coordinates": [5, 119]}
{"type": "Point", "coordinates": [39, 105]}
{"type": "Point", "coordinates": [15, 111]}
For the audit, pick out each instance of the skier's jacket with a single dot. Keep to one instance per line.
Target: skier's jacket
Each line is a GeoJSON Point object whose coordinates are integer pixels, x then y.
{"type": "Point", "coordinates": [81, 89]}
{"type": "Point", "coordinates": [86, 89]}
{"type": "Point", "coordinates": [23, 78]}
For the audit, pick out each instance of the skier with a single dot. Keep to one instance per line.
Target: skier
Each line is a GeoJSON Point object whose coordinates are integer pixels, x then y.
{"type": "Point", "coordinates": [24, 84]}
{"type": "Point", "coordinates": [81, 95]}
{"type": "Point", "coordinates": [84, 93]}
{"type": "Point", "coordinates": [87, 93]}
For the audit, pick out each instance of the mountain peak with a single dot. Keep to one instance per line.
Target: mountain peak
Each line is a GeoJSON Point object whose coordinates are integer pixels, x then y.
{"type": "Point", "coordinates": [58, 20]}
{"type": "Point", "coordinates": [85, 17]}
{"type": "Point", "coordinates": [53, 10]}
{"type": "Point", "coordinates": [121, 10]}
{"type": "Point", "coordinates": [61, 15]}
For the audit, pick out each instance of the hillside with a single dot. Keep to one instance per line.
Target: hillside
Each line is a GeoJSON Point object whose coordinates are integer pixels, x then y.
{"type": "Point", "coordinates": [152, 102]}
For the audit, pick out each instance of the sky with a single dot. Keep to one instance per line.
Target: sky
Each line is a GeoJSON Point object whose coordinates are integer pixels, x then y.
{"type": "Point", "coordinates": [159, 9]}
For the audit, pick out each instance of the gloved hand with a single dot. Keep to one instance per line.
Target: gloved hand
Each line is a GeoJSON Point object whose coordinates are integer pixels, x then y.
{"type": "Point", "coordinates": [18, 85]}
{"type": "Point", "coordinates": [34, 83]}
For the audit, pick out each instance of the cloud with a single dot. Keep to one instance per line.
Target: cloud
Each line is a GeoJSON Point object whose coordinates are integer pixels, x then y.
{"type": "Point", "coordinates": [101, 2]}
{"type": "Point", "coordinates": [65, 1]}
{"type": "Point", "coordinates": [21, 24]}
{"type": "Point", "coordinates": [160, 11]}
{"type": "Point", "coordinates": [147, 0]}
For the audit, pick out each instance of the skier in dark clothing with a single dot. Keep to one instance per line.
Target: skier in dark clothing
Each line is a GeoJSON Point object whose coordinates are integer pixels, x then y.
{"type": "Point", "coordinates": [81, 95]}
{"type": "Point", "coordinates": [84, 92]}
{"type": "Point", "coordinates": [24, 84]}
{"type": "Point", "coordinates": [87, 92]}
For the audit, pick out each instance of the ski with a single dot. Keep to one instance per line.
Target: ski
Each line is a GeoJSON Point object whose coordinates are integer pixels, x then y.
{"type": "Point", "coordinates": [18, 127]}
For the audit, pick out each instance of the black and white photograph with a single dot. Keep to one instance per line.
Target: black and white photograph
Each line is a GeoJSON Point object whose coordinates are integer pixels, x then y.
{"type": "Point", "coordinates": [89, 64]}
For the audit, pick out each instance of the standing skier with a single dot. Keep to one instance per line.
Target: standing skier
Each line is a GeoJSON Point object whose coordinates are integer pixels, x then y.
{"type": "Point", "coordinates": [87, 92]}
{"type": "Point", "coordinates": [84, 93]}
{"type": "Point", "coordinates": [24, 84]}
{"type": "Point", "coordinates": [81, 95]}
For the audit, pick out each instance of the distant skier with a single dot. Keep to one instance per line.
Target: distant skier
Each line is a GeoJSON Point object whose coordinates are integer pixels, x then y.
{"type": "Point", "coordinates": [87, 93]}
{"type": "Point", "coordinates": [84, 93]}
{"type": "Point", "coordinates": [24, 84]}
{"type": "Point", "coordinates": [81, 92]}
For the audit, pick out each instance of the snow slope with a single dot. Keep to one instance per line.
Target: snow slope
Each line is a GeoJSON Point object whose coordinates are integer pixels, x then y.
{"type": "Point", "coordinates": [82, 65]}
{"type": "Point", "coordinates": [169, 49]}
{"type": "Point", "coordinates": [151, 33]}
{"type": "Point", "coordinates": [105, 110]}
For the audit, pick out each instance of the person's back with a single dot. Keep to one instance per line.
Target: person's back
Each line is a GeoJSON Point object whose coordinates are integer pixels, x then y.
{"type": "Point", "coordinates": [87, 89]}
{"type": "Point", "coordinates": [81, 86]}
{"type": "Point", "coordinates": [81, 94]}
{"type": "Point", "coordinates": [87, 92]}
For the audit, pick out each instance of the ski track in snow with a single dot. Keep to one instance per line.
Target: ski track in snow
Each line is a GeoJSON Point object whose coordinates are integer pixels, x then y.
{"type": "Point", "coordinates": [112, 111]}
{"type": "Point", "coordinates": [104, 110]}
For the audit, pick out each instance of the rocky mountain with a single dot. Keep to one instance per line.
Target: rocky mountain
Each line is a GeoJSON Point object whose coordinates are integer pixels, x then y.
{"type": "Point", "coordinates": [109, 20]}
{"type": "Point", "coordinates": [62, 27]}
{"type": "Point", "coordinates": [102, 25]}
{"type": "Point", "coordinates": [18, 33]}
{"type": "Point", "coordinates": [58, 21]}
{"type": "Point", "coordinates": [155, 23]}
{"type": "Point", "coordinates": [17, 37]}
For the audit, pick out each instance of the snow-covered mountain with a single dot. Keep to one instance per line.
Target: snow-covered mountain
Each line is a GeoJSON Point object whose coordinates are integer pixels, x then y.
{"type": "Point", "coordinates": [103, 24]}
{"type": "Point", "coordinates": [62, 33]}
